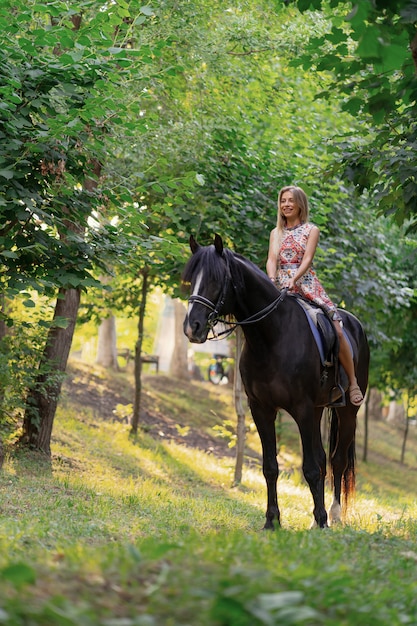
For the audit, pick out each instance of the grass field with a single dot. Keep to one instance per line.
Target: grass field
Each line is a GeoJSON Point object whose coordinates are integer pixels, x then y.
{"type": "Point", "coordinates": [149, 531]}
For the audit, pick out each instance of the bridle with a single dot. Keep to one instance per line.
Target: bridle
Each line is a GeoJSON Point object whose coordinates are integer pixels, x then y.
{"type": "Point", "coordinates": [214, 316]}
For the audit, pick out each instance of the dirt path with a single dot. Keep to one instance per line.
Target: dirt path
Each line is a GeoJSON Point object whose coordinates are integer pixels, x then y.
{"type": "Point", "coordinates": [110, 397]}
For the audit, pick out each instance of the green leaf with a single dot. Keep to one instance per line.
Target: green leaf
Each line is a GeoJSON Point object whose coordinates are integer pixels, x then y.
{"type": "Point", "coordinates": [16, 99]}
{"type": "Point", "coordinates": [19, 574]}
{"type": "Point", "coordinates": [392, 58]}
{"type": "Point", "coordinates": [44, 324]}
{"type": "Point", "coordinates": [146, 10]}
{"type": "Point", "coordinates": [369, 44]}
{"type": "Point", "coordinates": [7, 174]}
{"type": "Point", "coordinates": [60, 322]}
{"type": "Point", "coordinates": [60, 616]}
{"type": "Point", "coordinates": [353, 105]}
{"type": "Point", "coordinates": [9, 254]}
{"type": "Point", "coordinates": [337, 36]}
{"type": "Point", "coordinates": [304, 5]}
{"type": "Point", "coordinates": [358, 14]}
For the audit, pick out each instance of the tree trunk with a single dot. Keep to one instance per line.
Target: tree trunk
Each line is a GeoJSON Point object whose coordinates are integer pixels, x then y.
{"type": "Point", "coordinates": [375, 404]}
{"type": "Point", "coordinates": [240, 412]}
{"type": "Point", "coordinates": [3, 333]}
{"type": "Point", "coordinates": [366, 425]}
{"type": "Point", "coordinates": [179, 362]}
{"type": "Point", "coordinates": [396, 413]}
{"type": "Point", "coordinates": [3, 327]}
{"type": "Point", "coordinates": [42, 399]}
{"type": "Point", "coordinates": [107, 348]}
{"type": "Point", "coordinates": [138, 354]}
{"type": "Point", "coordinates": [407, 421]}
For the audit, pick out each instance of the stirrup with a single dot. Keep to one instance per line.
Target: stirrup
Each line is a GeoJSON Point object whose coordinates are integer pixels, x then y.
{"type": "Point", "coordinates": [340, 401]}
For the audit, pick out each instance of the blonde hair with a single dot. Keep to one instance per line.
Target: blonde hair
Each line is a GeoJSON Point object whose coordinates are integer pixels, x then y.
{"type": "Point", "coordinates": [301, 201]}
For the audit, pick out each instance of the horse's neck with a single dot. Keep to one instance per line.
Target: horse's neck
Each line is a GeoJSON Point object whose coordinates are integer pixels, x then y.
{"type": "Point", "coordinates": [255, 296]}
{"type": "Point", "coordinates": [258, 295]}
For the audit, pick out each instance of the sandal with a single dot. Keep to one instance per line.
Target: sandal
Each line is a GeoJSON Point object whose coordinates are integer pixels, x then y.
{"type": "Point", "coordinates": [355, 395]}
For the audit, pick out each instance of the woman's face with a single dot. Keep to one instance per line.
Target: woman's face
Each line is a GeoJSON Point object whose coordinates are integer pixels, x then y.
{"type": "Point", "coordinates": [288, 206]}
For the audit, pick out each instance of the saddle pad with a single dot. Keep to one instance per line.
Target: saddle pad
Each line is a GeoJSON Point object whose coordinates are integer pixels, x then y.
{"type": "Point", "coordinates": [312, 313]}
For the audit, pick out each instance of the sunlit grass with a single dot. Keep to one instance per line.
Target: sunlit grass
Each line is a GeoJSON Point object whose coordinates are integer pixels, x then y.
{"type": "Point", "coordinates": [153, 532]}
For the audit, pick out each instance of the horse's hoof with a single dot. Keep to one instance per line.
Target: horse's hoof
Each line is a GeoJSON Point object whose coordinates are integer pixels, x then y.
{"type": "Point", "coordinates": [335, 514]}
{"type": "Point", "coordinates": [271, 524]}
{"type": "Point", "coordinates": [320, 526]}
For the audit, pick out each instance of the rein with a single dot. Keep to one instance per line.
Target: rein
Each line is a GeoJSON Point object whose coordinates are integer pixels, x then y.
{"type": "Point", "coordinates": [215, 309]}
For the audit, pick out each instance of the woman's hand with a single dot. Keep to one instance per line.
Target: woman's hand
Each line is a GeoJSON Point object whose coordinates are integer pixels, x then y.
{"type": "Point", "coordinates": [291, 284]}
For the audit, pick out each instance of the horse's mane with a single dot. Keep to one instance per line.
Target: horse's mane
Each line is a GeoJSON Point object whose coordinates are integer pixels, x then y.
{"type": "Point", "coordinates": [250, 265]}
{"type": "Point", "coordinates": [207, 258]}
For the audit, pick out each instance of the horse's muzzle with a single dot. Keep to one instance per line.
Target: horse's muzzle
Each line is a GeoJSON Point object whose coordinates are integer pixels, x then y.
{"type": "Point", "coordinates": [195, 331]}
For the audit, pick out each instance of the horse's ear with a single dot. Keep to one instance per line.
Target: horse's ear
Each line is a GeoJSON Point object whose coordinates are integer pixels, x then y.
{"type": "Point", "coordinates": [193, 245]}
{"type": "Point", "coordinates": [218, 244]}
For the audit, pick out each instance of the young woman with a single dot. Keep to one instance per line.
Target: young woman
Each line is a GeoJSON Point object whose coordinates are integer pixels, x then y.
{"type": "Point", "coordinates": [292, 245]}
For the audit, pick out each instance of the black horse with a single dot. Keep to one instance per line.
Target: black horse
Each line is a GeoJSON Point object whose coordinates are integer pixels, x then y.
{"type": "Point", "coordinates": [280, 367]}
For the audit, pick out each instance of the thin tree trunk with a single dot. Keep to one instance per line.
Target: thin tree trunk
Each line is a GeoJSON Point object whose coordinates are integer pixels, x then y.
{"type": "Point", "coordinates": [240, 412]}
{"type": "Point", "coordinates": [42, 399]}
{"type": "Point", "coordinates": [138, 354]}
{"type": "Point", "coordinates": [3, 327]}
{"type": "Point", "coordinates": [3, 333]}
{"type": "Point", "coordinates": [407, 410]}
{"type": "Point", "coordinates": [366, 426]}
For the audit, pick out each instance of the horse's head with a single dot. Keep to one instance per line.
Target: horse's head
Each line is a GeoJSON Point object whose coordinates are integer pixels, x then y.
{"type": "Point", "coordinates": [207, 273]}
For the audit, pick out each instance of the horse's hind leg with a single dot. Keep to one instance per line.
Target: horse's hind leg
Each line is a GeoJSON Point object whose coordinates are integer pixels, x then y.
{"type": "Point", "coordinates": [265, 424]}
{"type": "Point", "coordinates": [342, 452]}
{"type": "Point", "coordinates": [314, 461]}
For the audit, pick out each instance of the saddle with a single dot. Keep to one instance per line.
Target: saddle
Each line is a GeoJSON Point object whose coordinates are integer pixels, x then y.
{"type": "Point", "coordinates": [327, 342]}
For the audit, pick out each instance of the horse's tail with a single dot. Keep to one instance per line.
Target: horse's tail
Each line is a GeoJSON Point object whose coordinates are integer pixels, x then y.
{"type": "Point", "coordinates": [348, 479]}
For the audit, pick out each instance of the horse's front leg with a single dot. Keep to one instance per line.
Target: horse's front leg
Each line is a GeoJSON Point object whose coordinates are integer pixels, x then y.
{"type": "Point", "coordinates": [265, 423]}
{"type": "Point", "coordinates": [314, 460]}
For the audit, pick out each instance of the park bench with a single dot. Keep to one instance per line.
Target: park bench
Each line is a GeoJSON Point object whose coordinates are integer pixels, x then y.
{"type": "Point", "coordinates": [128, 355]}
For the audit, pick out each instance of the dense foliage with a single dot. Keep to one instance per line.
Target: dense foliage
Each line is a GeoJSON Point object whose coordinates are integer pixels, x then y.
{"type": "Point", "coordinates": [370, 49]}
{"type": "Point", "coordinates": [126, 127]}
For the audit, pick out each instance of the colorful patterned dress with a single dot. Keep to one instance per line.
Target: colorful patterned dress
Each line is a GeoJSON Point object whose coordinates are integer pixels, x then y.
{"type": "Point", "coordinates": [291, 254]}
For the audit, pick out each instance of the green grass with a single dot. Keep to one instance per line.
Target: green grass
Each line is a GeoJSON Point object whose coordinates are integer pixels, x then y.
{"type": "Point", "coordinates": [121, 532]}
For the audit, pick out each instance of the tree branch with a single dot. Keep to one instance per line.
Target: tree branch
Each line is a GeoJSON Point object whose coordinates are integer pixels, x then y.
{"type": "Point", "coordinates": [245, 54]}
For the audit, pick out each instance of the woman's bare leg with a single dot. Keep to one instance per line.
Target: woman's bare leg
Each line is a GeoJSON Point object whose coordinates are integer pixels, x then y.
{"type": "Point", "coordinates": [345, 357]}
